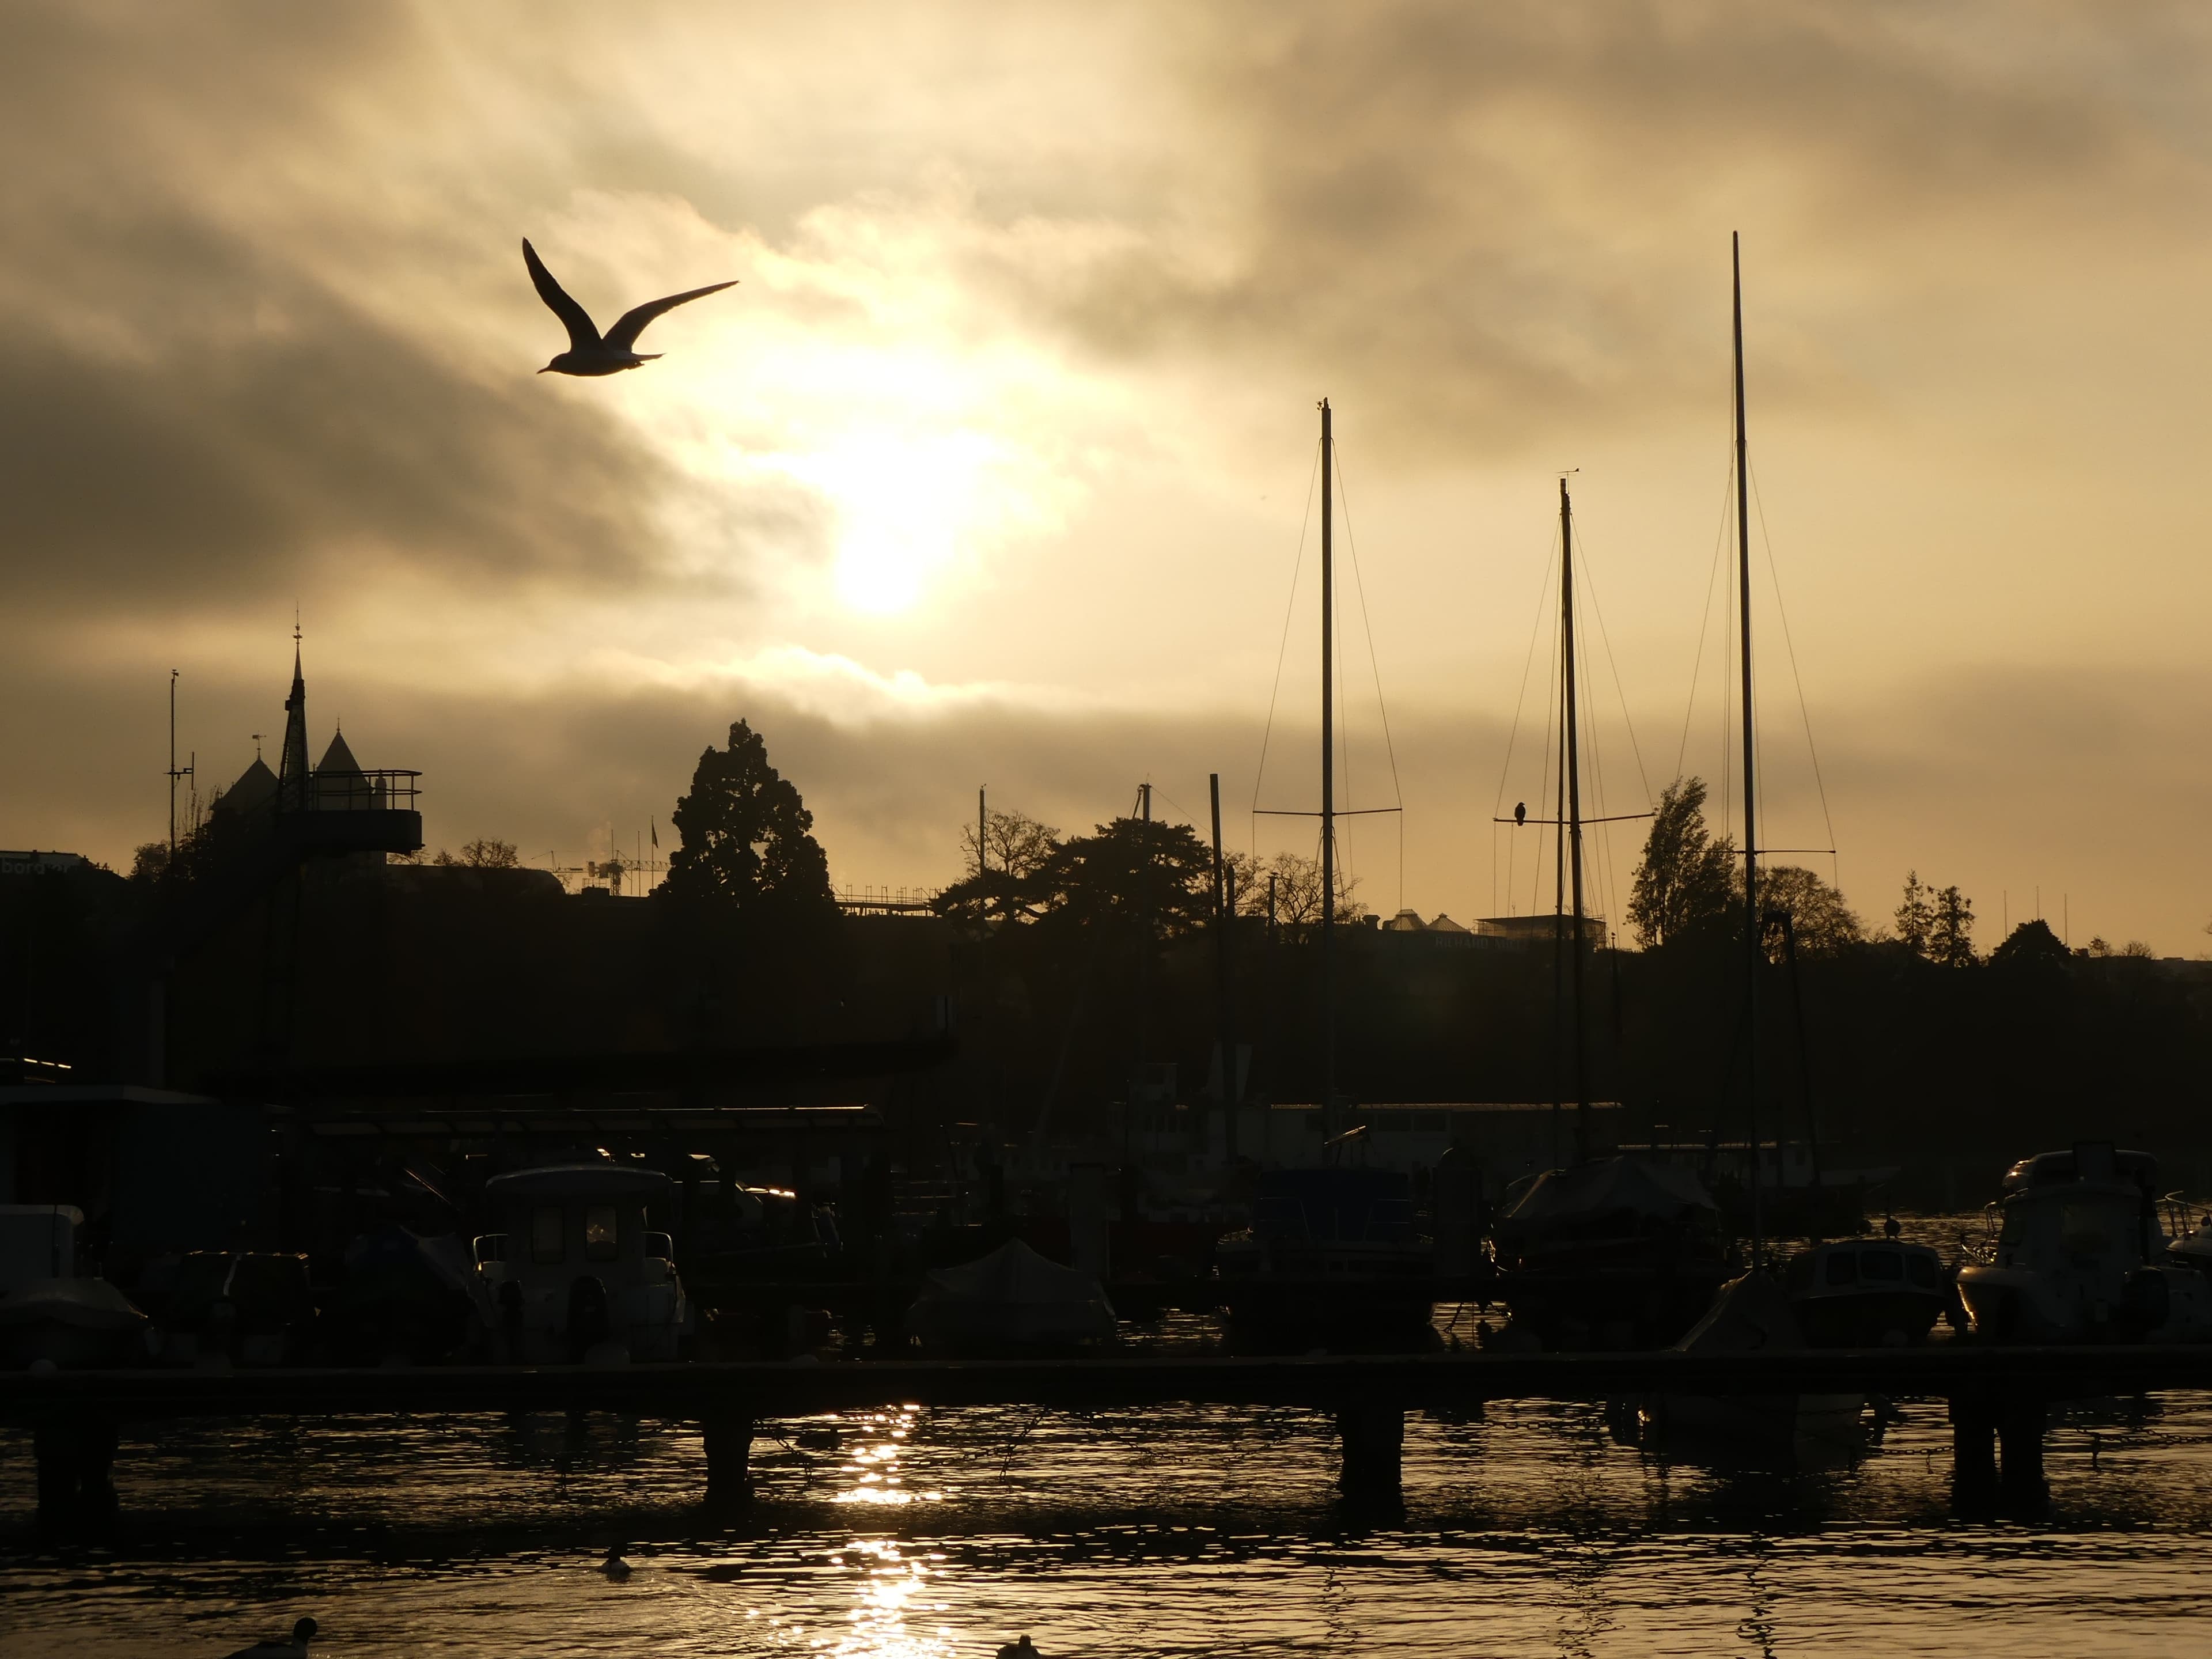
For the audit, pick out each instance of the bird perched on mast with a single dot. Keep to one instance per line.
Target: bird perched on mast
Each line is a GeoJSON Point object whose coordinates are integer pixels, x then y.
{"type": "Point", "coordinates": [588, 352]}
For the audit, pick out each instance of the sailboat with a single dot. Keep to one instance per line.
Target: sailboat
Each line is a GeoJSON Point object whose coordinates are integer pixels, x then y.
{"type": "Point", "coordinates": [1603, 1252]}
{"type": "Point", "coordinates": [1332, 1257]}
{"type": "Point", "coordinates": [1753, 1312]}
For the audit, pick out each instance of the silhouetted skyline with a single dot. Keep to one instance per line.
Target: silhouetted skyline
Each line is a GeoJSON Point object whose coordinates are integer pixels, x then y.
{"type": "Point", "coordinates": [996, 474]}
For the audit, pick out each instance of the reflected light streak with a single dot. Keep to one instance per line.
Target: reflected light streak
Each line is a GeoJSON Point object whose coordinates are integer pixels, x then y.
{"type": "Point", "coordinates": [889, 1591]}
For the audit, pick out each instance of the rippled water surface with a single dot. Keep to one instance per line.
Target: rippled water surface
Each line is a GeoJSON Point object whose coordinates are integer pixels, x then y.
{"type": "Point", "coordinates": [1529, 1530]}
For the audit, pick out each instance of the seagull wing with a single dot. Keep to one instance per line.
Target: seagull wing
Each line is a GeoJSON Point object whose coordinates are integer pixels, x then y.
{"type": "Point", "coordinates": [583, 333]}
{"type": "Point", "coordinates": [623, 337]}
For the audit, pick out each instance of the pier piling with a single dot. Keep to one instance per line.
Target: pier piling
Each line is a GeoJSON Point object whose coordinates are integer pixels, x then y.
{"type": "Point", "coordinates": [729, 1443]}
{"type": "Point", "coordinates": [75, 1456]}
{"type": "Point", "coordinates": [1373, 1437]}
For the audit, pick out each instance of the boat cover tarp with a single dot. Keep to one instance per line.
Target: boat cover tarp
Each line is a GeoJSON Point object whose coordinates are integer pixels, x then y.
{"type": "Point", "coordinates": [1750, 1315]}
{"type": "Point", "coordinates": [1012, 1297]}
{"type": "Point", "coordinates": [91, 1305]}
{"type": "Point", "coordinates": [1575, 1200]}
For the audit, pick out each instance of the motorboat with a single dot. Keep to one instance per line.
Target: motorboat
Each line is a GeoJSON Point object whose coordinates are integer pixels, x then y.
{"type": "Point", "coordinates": [244, 1307]}
{"type": "Point", "coordinates": [1615, 1253]}
{"type": "Point", "coordinates": [578, 1273]}
{"type": "Point", "coordinates": [1012, 1301]}
{"type": "Point", "coordinates": [50, 1315]}
{"type": "Point", "coordinates": [2079, 1255]}
{"type": "Point", "coordinates": [1332, 1259]}
{"type": "Point", "coordinates": [407, 1296]}
{"type": "Point", "coordinates": [1754, 1314]}
{"type": "Point", "coordinates": [1867, 1292]}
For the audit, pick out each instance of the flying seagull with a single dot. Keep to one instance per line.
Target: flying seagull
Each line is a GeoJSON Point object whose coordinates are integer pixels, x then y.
{"type": "Point", "coordinates": [588, 353]}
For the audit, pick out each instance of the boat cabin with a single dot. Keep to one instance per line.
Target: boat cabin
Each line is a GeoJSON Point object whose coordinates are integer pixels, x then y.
{"type": "Point", "coordinates": [578, 1270]}
{"type": "Point", "coordinates": [1867, 1292]}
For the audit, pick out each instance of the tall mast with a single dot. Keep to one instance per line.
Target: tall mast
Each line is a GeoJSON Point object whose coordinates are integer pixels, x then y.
{"type": "Point", "coordinates": [173, 764]}
{"type": "Point", "coordinates": [1572, 767]}
{"type": "Point", "coordinates": [1224, 922]}
{"type": "Point", "coordinates": [1750, 782]}
{"type": "Point", "coordinates": [1327, 775]}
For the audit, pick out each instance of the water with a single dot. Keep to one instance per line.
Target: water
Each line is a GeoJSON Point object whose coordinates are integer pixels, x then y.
{"type": "Point", "coordinates": [1528, 1530]}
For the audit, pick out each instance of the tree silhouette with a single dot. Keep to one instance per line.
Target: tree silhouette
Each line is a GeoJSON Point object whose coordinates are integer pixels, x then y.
{"type": "Point", "coordinates": [1951, 925]}
{"type": "Point", "coordinates": [1823, 923]}
{"type": "Point", "coordinates": [1915, 915]}
{"type": "Point", "coordinates": [747, 845]}
{"type": "Point", "coordinates": [1686, 876]}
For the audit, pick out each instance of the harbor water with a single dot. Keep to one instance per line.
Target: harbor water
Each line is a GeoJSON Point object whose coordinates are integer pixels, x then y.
{"type": "Point", "coordinates": [1529, 1528]}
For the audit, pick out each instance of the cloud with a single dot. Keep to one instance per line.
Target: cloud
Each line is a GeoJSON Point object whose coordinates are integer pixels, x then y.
{"type": "Point", "coordinates": [989, 471]}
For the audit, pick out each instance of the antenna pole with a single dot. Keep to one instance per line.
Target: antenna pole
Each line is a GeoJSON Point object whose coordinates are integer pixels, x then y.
{"type": "Point", "coordinates": [1327, 775]}
{"type": "Point", "coordinates": [1751, 928]}
{"type": "Point", "coordinates": [1574, 816]}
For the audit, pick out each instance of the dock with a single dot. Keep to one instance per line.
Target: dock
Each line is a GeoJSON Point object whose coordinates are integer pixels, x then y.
{"type": "Point", "coordinates": [1995, 1395]}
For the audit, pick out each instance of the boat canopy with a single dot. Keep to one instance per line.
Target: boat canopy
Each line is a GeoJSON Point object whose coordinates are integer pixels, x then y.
{"type": "Point", "coordinates": [1606, 1187]}
{"type": "Point", "coordinates": [1011, 1297]}
{"type": "Point", "coordinates": [607, 1182]}
{"type": "Point", "coordinates": [1339, 1205]}
{"type": "Point", "coordinates": [1750, 1315]}
{"type": "Point", "coordinates": [2087, 1160]}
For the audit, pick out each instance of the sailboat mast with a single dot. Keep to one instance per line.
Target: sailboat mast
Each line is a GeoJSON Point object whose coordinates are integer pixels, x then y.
{"type": "Point", "coordinates": [1571, 753]}
{"type": "Point", "coordinates": [1327, 774]}
{"type": "Point", "coordinates": [1750, 929]}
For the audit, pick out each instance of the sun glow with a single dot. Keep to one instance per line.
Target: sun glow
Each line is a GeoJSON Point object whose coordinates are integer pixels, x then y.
{"type": "Point", "coordinates": [907, 507]}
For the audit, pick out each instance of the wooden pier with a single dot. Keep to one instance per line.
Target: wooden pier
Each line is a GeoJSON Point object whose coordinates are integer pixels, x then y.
{"type": "Point", "coordinates": [1995, 1395]}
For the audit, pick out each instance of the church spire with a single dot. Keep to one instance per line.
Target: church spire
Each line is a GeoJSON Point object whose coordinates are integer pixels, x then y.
{"type": "Point", "coordinates": [292, 775]}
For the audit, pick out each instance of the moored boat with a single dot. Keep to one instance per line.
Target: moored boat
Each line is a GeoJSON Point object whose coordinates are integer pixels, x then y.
{"type": "Point", "coordinates": [2079, 1256]}
{"type": "Point", "coordinates": [50, 1315]}
{"type": "Point", "coordinates": [1867, 1292]}
{"type": "Point", "coordinates": [580, 1274]}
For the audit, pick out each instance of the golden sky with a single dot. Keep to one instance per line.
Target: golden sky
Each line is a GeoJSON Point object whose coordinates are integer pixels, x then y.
{"type": "Point", "coordinates": [992, 470]}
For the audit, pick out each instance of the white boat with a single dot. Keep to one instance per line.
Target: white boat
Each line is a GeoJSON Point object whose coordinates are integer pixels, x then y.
{"type": "Point", "coordinates": [580, 1275]}
{"type": "Point", "coordinates": [1013, 1300]}
{"type": "Point", "coordinates": [2079, 1256]}
{"type": "Point", "coordinates": [49, 1314]}
{"type": "Point", "coordinates": [1752, 1315]}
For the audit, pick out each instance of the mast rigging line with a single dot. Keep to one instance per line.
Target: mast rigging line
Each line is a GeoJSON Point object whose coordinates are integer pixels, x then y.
{"type": "Point", "coordinates": [1790, 647]}
{"type": "Point", "coordinates": [1513, 732]}
{"type": "Point", "coordinates": [1705, 616]}
{"type": "Point", "coordinates": [1282, 650]}
{"type": "Point", "coordinates": [1374, 668]}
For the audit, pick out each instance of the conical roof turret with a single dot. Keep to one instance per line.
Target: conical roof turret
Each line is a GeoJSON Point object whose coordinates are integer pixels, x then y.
{"type": "Point", "coordinates": [292, 774]}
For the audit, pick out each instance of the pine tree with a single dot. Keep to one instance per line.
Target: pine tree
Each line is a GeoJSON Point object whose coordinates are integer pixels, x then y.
{"type": "Point", "coordinates": [747, 844]}
{"type": "Point", "coordinates": [1951, 925]}
{"type": "Point", "coordinates": [1916, 916]}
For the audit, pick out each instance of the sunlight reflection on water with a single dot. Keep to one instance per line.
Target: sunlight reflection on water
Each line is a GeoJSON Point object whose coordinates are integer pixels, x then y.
{"type": "Point", "coordinates": [897, 1535]}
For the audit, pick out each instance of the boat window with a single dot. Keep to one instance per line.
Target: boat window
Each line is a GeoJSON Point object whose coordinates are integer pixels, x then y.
{"type": "Point", "coordinates": [2014, 1231]}
{"type": "Point", "coordinates": [1923, 1271]}
{"type": "Point", "coordinates": [1884, 1265]}
{"type": "Point", "coordinates": [1843, 1268]}
{"type": "Point", "coordinates": [1432, 1123]}
{"type": "Point", "coordinates": [599, 1233]}
{"type": "Point", "coordinates": [545, 1239]}
{"type": "Point", "coordinates": [661, 1245]}
{"type": "Point", "coordinates": [2086, 1229]}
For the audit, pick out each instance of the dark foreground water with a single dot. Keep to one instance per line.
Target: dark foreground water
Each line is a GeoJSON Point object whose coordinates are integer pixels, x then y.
{"type": "Point", "coordinates": [1527, 1530]}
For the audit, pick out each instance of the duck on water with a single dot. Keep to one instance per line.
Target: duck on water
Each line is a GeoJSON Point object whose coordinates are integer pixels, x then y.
{"type": "Point", "coordinates": [302, 1633]}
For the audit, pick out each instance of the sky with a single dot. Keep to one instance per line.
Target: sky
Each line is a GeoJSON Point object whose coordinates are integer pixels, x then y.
{"type": "Point", "coordinates": [996, 469]}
